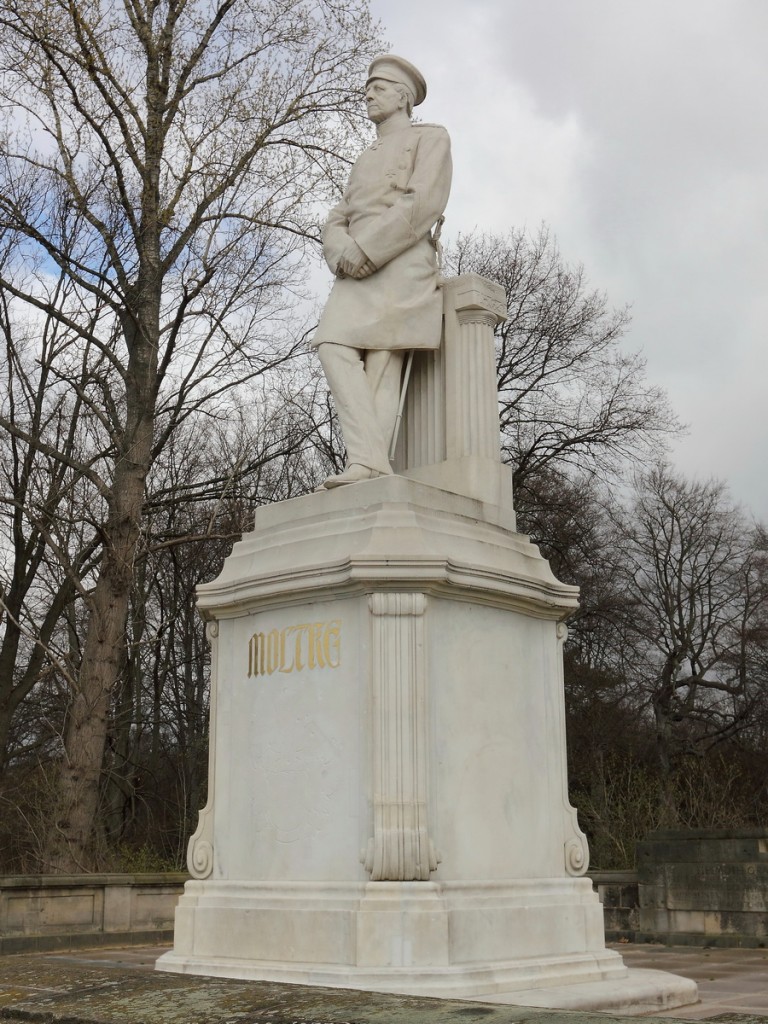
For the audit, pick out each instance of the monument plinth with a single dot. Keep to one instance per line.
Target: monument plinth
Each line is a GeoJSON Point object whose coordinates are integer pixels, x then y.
{"type": "Point", "coordinates": [388, 803]}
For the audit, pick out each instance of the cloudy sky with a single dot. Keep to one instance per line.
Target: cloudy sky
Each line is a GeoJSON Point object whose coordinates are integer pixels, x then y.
{"type": "Point", "coordinates": [638, 131]}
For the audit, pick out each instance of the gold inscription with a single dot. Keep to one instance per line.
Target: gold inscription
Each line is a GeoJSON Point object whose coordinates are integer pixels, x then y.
{"type": "Point", "coordinates": [292, 649]}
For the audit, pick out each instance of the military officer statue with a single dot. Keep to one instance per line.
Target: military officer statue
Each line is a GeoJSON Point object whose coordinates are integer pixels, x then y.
{"type": "Point", "coordinates": [379, 243]}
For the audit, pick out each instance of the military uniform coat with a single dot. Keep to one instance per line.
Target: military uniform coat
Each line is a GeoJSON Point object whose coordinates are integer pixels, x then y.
{"type": "Point", "coordinates": [397, 191]}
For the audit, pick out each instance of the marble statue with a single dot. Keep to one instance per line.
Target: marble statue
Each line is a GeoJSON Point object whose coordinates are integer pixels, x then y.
{"type": "Point", "coordinates": [379, 241]}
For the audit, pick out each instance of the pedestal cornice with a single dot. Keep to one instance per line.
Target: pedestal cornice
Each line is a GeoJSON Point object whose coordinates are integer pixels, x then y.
{"type": "Point", "coordinates": [392, 533]}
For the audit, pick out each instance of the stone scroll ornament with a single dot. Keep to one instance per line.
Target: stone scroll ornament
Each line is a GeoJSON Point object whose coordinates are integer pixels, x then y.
{"type": "Point", "coordinates": [576, 847]}
{"type": "Point", "coordinates": [200, 848]}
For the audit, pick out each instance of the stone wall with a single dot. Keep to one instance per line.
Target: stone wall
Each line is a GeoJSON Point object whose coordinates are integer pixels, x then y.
{"type": "Point", "coordinates": [618, 893]}
{"type": "Point", "coordinates": [704, 886]}
{"type": "Point", "coordinates": [74, 911]}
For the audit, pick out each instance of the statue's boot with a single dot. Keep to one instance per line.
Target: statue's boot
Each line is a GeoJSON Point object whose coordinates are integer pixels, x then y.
{"type": "Point", "coordinates": [353, 474]}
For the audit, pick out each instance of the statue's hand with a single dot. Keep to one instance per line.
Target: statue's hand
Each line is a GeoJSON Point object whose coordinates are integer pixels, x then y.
{"type": "Point", "coordinates": [365, 271]}
{"type": "Point", "coordinates": [354, 262]}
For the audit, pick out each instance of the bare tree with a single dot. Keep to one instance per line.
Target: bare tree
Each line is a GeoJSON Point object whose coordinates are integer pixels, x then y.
{"type": "Point", "coordinates": [165, 158]}
{"type": "Point", "coordinates": [202, 493]}
{"type": "Point", "coordinates": [570, 396]}
{"type": "Point", "coordinates": [665, 666]}
{"type": "Point", "coordinates": [696, 605]}
{"type": "Point", "coordinates": [47, 537]}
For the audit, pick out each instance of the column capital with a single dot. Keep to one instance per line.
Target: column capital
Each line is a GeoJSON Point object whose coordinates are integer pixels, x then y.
{"type": "Point", "coordinates": [471, 292]}
{"type": "Point", "coordinates": [475, 315]}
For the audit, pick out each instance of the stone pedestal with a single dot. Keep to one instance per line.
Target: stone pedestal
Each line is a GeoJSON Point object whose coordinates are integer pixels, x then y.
{"type": "Point", "coordinates": [388, 802]}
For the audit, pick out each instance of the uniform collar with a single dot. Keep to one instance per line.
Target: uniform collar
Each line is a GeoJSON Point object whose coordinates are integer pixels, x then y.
{"type": "Point", "coordinates": [390, 127]}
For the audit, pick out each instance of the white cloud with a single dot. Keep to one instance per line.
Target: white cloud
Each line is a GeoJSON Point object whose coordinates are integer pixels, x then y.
{"type": "Point", "coordinates": [637, 131]}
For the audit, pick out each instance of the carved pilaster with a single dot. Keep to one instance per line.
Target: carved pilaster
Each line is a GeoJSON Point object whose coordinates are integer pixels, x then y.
{"type": "Point", "coordinates": [400, 849]}
{"type": "Point", "coordinates": [200, 847]}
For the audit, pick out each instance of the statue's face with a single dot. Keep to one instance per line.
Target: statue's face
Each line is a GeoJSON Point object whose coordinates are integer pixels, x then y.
{"type": "Point", "coordinates": [383, 99]}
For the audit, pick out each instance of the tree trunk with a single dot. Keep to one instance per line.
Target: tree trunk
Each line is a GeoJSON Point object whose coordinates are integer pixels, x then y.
{"type": "Point", "coordinates": [668, 812]}
{"type": "Point", "coordinates": [70, 846]}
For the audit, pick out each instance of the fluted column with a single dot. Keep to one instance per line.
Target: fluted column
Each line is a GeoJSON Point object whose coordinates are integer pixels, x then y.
{"type": "Point", "coordinates": [422, 438]}
{"type": "Point", "coordinates": [473, 306]}
{"type": "Point", "coordinates": [451, 410]}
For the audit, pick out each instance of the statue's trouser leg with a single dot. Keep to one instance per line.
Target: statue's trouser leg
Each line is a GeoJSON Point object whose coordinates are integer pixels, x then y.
{"type": "Point", "coordinates": [384, 371]}
{"type": "Point", "coordinates": [365, 385]}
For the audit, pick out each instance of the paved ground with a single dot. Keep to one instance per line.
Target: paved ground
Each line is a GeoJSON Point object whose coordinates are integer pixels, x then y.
{"type": "Point", "coordinates": [730, 980]}
{"type": "Point", "coordinates": [119, 986]}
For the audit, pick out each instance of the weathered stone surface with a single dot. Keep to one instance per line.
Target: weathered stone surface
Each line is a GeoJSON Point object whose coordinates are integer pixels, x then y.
{"type": "Point", "coordinates": [701, 846]}
{"type": "Point", "coordinates": [618, 893]}
{"type": "Point", "coordinates": [707, 883]}
{"type": "Point", "coordinates": [55, 990]}
{"type": "Point", "coordinates": [39, 912]}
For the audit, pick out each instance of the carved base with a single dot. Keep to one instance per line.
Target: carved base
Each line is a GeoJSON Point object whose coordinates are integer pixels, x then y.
{"type": "Point", "coordinates": [447, 938]}
{"type": "Point", "coordinates": [516, 943]}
